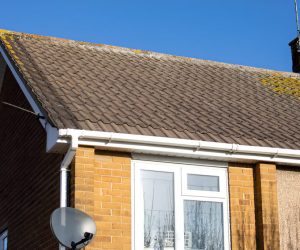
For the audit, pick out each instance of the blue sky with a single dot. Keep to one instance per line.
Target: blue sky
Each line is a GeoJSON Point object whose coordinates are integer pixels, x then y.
{"type": "Point", "coordinates": [253, 32]}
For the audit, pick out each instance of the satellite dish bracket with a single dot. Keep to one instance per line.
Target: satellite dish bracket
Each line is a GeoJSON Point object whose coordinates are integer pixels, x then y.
{"type": "Point", "coordinates": [87, 237]}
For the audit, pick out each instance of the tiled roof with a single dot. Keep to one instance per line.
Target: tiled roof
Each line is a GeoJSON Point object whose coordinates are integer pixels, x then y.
{"type": "Point", "coordinates": [112, 89]}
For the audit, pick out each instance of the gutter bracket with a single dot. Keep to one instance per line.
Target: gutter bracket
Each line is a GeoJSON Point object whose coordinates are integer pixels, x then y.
{"type": "Point", "coordinates": [234, 148]}
{"type": "Point", "coordinates": [198, 148]}
{"type": "Point", "coordinates": [276, 154]}
{"type": "Point", "coordinates": [110, 138]}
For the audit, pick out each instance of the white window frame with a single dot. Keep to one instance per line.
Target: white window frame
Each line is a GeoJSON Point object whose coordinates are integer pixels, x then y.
{"type": "Point", "coordinates": [3, 236]}
{"type": "Point", "coordinates": [204, 171]}
{"type": "Point", "coordinates": [181, 193]}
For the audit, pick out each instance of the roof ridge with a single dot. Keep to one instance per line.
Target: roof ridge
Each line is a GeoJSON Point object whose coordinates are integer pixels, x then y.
{"type": "Point", "coordinates": [140, 52]}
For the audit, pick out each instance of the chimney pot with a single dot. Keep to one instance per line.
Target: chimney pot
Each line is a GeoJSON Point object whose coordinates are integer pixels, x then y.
{"type": "Point", "coordinates": [295, 49]}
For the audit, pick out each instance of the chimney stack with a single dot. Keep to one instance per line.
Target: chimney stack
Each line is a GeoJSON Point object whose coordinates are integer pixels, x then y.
{"type": "Point", "coordinates": [295, 48]}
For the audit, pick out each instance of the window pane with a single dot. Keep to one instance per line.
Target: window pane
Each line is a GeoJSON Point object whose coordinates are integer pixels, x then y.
{"type": "Point", "coordinates": [159, 225]}
{"type": "Point", "coordinates": [203, 225]}
{"type": "Point", "coordinates": [203, 182]}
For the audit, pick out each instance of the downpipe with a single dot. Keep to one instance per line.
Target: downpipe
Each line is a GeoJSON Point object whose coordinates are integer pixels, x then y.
{"type": "Point", "coordinates": [64, 175]}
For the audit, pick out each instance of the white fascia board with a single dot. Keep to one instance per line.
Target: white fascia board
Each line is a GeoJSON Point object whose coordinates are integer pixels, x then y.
{"type": "Point", "coordinates": [52, 132]}
{"type": "Point", "coordinates": [180, 147]}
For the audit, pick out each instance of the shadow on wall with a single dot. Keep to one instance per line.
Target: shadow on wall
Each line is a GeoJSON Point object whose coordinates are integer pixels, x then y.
{"type": "Point", "coordinates": [245, 239]}
{"type": "Point", "coordinates": [262, 239]}
{"type": "Point", "coordinates": [266, 217]}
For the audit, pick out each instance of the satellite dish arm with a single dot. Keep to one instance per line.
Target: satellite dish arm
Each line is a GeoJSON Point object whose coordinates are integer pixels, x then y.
{"type": "Point", "coordinates": [87, 237]}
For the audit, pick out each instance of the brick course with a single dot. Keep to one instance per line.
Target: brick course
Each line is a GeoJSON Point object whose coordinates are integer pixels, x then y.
{"type": "Point", "coordinates": [101, 187]}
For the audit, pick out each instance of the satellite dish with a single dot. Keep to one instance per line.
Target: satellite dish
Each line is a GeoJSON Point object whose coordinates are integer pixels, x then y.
{"type": "Point", "coordinates": [72, 228]}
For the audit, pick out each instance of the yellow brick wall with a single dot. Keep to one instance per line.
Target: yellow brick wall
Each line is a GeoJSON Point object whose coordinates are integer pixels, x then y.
{"type": "Point", "coordinates": [242, 208]}
{"type": "Point", "coordinates": [100, 186]}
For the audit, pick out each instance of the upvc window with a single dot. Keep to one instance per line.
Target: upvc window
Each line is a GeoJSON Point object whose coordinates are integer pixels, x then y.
{"type": "Point", "coordinates": [180, 206]}
{"type": "Point", "coordinates": [3, 240]}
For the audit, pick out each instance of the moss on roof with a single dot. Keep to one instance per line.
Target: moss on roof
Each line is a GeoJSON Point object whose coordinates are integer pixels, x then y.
{"type": "Point", "coordinates": [5, 36]}
{"type": "Point", "coordinates": [282, 84]}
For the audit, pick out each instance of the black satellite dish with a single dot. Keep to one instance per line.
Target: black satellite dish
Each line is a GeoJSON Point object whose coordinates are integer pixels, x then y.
{"type": "Point", "coordinates": [72, 228]}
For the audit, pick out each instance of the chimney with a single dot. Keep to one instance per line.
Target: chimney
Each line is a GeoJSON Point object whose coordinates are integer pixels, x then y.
{"type": "Point", "coordinates": [295, 48]}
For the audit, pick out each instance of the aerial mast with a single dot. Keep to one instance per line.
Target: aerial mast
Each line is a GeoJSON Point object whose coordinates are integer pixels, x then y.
{"type": "Point", "coordinates": [295, 44]}
{"type": "Point", "coordinates": [297, 18]}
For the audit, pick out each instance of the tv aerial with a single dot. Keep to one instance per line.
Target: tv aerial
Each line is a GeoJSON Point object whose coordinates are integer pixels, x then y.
{"type": "Point", "coordinates": [72, 228]}
{"type": "Point", "coordinates": [297, 18]}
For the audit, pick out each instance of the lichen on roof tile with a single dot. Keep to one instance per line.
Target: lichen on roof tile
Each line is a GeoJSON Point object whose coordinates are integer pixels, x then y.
{"type": "Point", "coordinates": [282, 84]}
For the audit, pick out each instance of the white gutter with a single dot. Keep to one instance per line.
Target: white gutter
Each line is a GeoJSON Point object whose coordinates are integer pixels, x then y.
{"type": "Point", "coordinates": [64, 175]}
{"type": "Point", "coordinates": [181, 147]}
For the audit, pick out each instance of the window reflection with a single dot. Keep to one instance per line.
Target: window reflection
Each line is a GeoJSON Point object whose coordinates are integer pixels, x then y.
{"type": "Point", "coordinates": [203, 226]}
{"type": "Point", "coordinates": [203, 182]}
{"type": "Point", "coordinates": [159, 225]}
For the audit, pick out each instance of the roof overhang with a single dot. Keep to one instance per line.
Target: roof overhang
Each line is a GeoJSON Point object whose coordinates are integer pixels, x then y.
{"type": "Point", "coordinates": [59, 140]}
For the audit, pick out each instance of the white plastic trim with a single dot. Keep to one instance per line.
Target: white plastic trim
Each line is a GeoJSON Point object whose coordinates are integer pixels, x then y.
{"type": "Point", "coordinates": [3, 235]}
{"type": "Point", "coordinates": [181, 147]}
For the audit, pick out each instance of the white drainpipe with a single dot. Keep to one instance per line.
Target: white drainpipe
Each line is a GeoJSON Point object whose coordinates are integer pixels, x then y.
{"type": "Point", "coordinates": [64, 174]}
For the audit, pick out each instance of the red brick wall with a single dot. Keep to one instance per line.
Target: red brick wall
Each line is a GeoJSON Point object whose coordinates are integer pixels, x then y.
{"type": "Point", "coordinates": [29, 178]}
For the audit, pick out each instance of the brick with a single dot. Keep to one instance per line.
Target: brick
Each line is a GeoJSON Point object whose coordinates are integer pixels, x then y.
{"type": "Point", "coordinates": [111, 165]}
{"type": "Point", "coordinates": [125, 160]}
{"type": "Point", "coordinates": [111, 179]}
{"type": "Point", "coordinates": [104, 239]}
